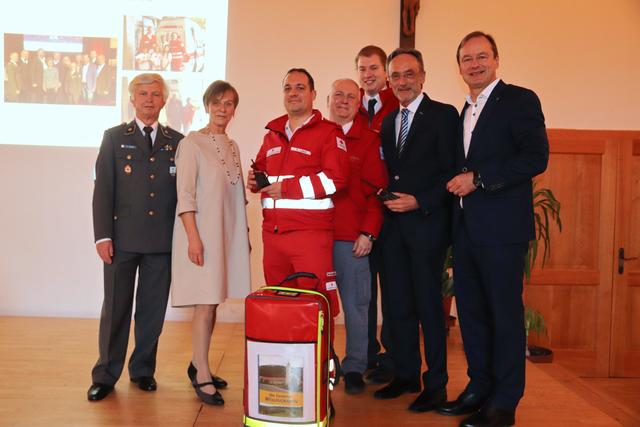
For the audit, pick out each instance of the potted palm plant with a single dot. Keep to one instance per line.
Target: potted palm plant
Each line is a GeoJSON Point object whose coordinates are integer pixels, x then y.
{"type": "Point", "coordinates": [546, 212]}
{"type": "Point", "coordinates": [447, 290]}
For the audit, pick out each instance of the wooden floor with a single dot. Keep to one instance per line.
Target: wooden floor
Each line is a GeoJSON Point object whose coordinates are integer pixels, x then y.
{"type": "Point", "coordinates": [45, 369]}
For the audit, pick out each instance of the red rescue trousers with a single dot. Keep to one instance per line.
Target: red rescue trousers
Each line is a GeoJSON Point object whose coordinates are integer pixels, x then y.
{"type": "Point", "coordinates": [310, 251]}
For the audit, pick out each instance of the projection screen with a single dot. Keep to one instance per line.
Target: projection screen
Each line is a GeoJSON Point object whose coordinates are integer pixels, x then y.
{"type": "Point", "coordinates": [67, 65]}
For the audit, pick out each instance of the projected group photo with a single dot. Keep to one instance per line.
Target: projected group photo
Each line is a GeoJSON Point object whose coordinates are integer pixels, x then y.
{"type": "Point", "coordinates": [169, 43]}
{"type": "Point", "coordinates": [50, 69]}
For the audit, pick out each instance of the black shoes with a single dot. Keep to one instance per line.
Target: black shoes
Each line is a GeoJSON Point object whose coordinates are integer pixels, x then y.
{"type": "Point", "coordinates": [380, 375]}
{"type": "Point", "coordinates": [217, 381]}
{"type": "Point", "coordinates": [145, 383]}
{"type": "Point", "coordinates": [396, 388]}
{"type": "Point", "coordinates": [98, 391]}
{"type": "Point", "coordinates": [466, 403]}
{"type": "Point", "coordinates": [429, 400]}
{"type": "Point", "coordinates": [492, 417]}
{"type": "Point", "coordinates": [209, 399]}
{"type": "Point", "coordinates": [353, 383]}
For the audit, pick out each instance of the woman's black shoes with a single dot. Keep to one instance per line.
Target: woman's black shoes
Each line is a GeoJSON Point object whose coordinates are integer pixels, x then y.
{"type": "Point", "coordinates": [217, 381]}
{"type": "Point", "coordinates": [209, 399]}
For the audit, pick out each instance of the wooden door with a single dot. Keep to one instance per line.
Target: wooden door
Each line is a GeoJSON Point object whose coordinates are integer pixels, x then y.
{"type": "Point", "coordinates": [625, 331]}
{"type": "Point", "coordinates": [573, 291]}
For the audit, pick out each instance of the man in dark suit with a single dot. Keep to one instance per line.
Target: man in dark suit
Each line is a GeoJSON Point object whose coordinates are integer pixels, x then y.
{"type": "Point", "coordinates": [24, 77]}
{"type": "Point", "coordinates": [11, 79]}
{"type": "Point", "coordinates": [418, 142]}
{"type": "Point", "coordinates": [105, 82]}
{"type": "Point", "coordinates": [134, 202]}
{"type": "Point", "coordinates": [38, 65]}
{"type": "Point", "coordinates": [502, 144]}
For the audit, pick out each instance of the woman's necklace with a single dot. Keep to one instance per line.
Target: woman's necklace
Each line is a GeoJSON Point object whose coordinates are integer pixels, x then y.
{"type": "Point", "coordinates": [234, 155]}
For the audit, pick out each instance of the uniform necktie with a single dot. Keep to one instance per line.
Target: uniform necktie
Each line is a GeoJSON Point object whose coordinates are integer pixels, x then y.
{"type": "Point", "coordinates": [371, 109]}
{"type": "Point", "coordinates": [404, 130]}
{"type": "Point", "coordinates": [147, 135]}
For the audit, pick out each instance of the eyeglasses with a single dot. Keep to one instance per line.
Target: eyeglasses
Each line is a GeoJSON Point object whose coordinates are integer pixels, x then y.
{"type": "Point", "coordinates": [407, 75]}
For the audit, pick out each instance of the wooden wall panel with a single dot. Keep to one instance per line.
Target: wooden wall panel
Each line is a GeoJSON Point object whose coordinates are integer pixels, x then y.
{"type": "Point", "coordinates": [575, 181]}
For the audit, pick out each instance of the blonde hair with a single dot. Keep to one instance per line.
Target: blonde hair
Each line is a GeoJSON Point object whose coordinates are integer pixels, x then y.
{"type": "Point", "coordinates": [147, 79]}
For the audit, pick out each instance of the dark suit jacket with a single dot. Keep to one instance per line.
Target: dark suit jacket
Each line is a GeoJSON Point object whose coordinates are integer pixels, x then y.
{"type": "Point", "coordinates": [37, 72]}
{"type": "Point", "coordinates": [105, 81]}
{"type": "Point", "coordinates": [508, 148]}
{"type": "Point", "coordinates": [134, 197]}
{"type": "Point", "coordinates": [426, 164]}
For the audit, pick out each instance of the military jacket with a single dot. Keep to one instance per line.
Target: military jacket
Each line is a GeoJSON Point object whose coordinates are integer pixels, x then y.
{"type": "Point", "coordinates": [134, 196]}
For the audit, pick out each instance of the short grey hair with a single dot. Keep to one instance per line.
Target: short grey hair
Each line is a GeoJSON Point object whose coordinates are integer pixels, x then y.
{"type": "Point", "coordinates": [147, 79]}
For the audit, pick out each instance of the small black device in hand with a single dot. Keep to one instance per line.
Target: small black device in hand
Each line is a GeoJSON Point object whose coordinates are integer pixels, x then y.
{"type": "Point", "coordinates": [261, 177]}
{"type": "Point", "coordinates": [385, 195]}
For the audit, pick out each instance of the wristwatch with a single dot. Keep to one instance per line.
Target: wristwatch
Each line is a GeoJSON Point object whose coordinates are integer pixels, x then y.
{"type": "Point", "coordinates": [369, 236]}
{"type": "Point", "coordinates": [477, 179]}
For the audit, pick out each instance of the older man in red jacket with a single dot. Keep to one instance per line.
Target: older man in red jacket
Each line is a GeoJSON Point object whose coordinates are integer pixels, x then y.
{"type": "Point", "coordinates": [360, 219]}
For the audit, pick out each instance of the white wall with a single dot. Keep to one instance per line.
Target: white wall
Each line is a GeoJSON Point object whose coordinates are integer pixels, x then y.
{"type": "Point", "coordinates": [580, 58]}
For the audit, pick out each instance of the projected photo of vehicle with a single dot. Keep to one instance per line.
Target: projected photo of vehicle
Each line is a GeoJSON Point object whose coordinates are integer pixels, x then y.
{"type": "Point", "coordinates": [46, 69]}
{"type": "Point", "coordinates": [168, 43]}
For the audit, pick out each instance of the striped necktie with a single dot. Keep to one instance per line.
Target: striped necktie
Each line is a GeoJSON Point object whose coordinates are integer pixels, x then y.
{"type": "Point", "coordinates": [404, 131]}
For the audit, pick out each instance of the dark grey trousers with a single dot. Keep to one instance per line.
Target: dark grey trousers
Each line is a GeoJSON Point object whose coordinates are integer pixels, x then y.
{"type": "Point", "coordinates": [154, 278]}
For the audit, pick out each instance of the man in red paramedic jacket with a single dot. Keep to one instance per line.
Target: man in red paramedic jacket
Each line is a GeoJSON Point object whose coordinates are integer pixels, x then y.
{"type": "Point", "coordinates": [305, 159]}
{"type": "Point", "coordinates": [376, 101]}
{"type": "Point", "coordinates": [359, 219]}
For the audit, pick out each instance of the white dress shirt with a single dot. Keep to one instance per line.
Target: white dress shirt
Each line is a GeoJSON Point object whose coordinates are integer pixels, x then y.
{"type": "Point", "coordinates": [290, 132]}
{"type": "Point", "coordinates": [472, 113]}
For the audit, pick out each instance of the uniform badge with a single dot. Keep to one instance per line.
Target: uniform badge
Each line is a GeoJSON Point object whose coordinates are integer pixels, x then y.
{"type": "Point", "coordinates": [127, 169]}
{"type": "Point", "coordinates": [172, 170]}
{"type": "Point", "coordinates": [301, 150]}
{"type": "Point", "coordinates": [274, 150]}
{"type": "Point", "coordinates": [165, 132]}
{"type": "Point", "coordinates": [167, 147]}
{"type": "Point", "coordinates": [331, 286]}
{"type": "Point", "coordinates": [341, 144]}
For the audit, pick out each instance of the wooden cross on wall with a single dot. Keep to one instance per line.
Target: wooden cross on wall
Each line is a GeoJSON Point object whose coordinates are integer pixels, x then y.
{"type": "Point", "coordinates": [408, 13]}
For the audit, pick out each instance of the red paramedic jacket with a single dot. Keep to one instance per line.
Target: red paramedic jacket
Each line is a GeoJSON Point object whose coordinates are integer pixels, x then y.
{"type": "Point", "coordinates": [357, 207]}
{"type": "Point", "coordinates": [312, 166]}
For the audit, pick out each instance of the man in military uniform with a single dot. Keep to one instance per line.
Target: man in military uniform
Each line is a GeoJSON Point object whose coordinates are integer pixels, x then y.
{"type": "Point", "coordinates": [134, 202]}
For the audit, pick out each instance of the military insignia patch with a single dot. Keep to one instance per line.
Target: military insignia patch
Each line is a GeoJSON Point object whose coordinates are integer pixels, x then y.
{"type": "Point", "coordinates": [165, 132]}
